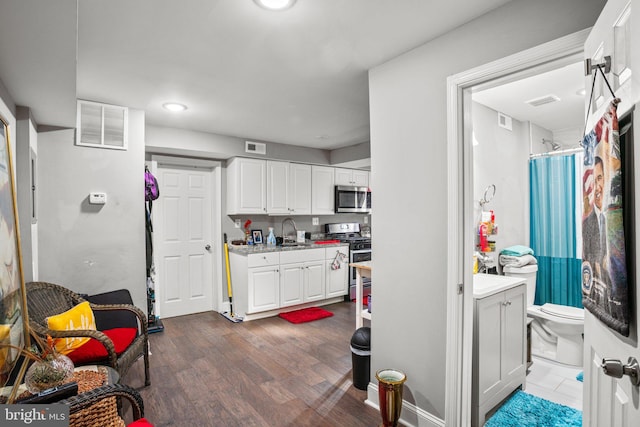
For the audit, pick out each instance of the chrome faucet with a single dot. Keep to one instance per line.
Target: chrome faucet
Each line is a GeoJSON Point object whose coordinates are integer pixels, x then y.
{"type": "Point", "coordinates": [295, 229]}
{"type": "Point", "coordinates": [484, 261]}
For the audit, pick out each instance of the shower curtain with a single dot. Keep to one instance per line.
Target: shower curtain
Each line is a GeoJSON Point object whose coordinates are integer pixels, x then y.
{"type": "Point", "coordinates": [555, 232]}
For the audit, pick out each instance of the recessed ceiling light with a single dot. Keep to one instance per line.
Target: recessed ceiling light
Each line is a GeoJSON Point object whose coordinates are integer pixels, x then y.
{"type": "Point", "coordinates": [174, 106]}
{"type": "Point", "coordinates": [581, 92]}
{"type": "Point", "coordinates": [275, 4]}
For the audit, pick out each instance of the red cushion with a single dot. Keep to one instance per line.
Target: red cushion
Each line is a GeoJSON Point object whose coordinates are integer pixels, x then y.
{"type": "Point", "coordinates": [93, 350]}
{"type": "Point", "coordinates": [142, 422]}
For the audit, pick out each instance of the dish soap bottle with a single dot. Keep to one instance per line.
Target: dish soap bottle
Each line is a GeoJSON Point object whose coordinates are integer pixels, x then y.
{"type": "Point", "coordinates": [271, 239]}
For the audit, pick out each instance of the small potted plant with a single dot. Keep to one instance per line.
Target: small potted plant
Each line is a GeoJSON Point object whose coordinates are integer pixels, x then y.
{"type": "Point", "coordinates": [49, 368]}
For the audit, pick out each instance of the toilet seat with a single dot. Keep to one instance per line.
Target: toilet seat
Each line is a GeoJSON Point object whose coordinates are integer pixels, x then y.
{"type": "Point", "coordinates": [566, 312]}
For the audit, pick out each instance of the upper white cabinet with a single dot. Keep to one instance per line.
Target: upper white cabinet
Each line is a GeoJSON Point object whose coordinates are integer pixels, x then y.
{"type": "Point", "coordinates": [322, 193]}
{"type": "Point", "coordinates": [246, 186]}
{"type": "Point", "coordinates": [288, 188]}
{"type": "Point", "coordinates": [355, 177]}
{"type": "Point", "coordinates": [299, 189]}
{"type": "Point", "coordinates": [272, 187]}
{"type": "Point", "coordinates": [268, 187]}
{"type": "Point", "coordinates": [277, 187]}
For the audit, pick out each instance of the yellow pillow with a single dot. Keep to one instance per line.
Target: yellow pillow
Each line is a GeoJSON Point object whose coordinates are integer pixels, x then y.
{"type": "Point", "coordinates": [4, 351]}
{"type": "Point", "coordinates": [79, 317]}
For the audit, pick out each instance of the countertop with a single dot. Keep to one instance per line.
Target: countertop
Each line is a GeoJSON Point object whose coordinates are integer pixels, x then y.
{"type": "Point", "coordinates": [258, 249]}
{"type": "Point", "coordinates": [489, 284]}
{"type": "Point", "coordinates": [364, 265]}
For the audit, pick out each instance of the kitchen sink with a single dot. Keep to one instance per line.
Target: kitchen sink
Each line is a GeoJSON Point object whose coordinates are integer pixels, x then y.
{"type": "Point", "coordinates": [294, 245]}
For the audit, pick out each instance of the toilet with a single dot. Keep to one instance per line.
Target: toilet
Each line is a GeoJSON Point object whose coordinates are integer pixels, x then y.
{"type": "Point", "coordinates": [556, 330]}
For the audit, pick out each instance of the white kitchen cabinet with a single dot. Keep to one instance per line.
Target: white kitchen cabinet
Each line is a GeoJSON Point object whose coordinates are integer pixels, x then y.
{"type": "Point", "coordinates": [299, 189]}
{"type": "Point", "coordinates": [266, 283]}
{"type": "Point", "coordinates": [277, 187]}
{"type": "Point", "coordinates": [314, 280]}
{"type": "Point", "coordinates": [499, 349]}
{"type": "Point", "coordinates": [288, 188]}
{"type": "Point", "coordinates": [246, 186]}
{"type": "Point", "coordinates": [337, 280]}
{"type": "Point", "coordinates": [323, 190]}
{"type": "Point", "coordinates": [291, 284]}
{"type": "Point", "coordinates": [302, 276]}
{"type": "Point", "coordinates": [264, 288]}
{"type": "Point", "coordinates": [354, 177]}
{"type": "Point", "coordinates": [263, 281]}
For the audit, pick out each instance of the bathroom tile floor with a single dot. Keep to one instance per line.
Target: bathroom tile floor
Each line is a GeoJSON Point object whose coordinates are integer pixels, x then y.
{"type": "Point", "coordinates": [555, 382]}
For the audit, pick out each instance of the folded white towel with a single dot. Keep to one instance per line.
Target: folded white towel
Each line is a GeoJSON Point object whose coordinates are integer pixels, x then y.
{"type": "Point", "coordinates": [517, 261]}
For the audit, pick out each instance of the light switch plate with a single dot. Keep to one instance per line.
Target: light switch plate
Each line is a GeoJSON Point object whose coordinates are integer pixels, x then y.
{"type": "Point", "coordinates": [366, 220]}
{"type": "Point", "coordinates": [315, 221]}
{"type": "Point", "coordinates": [238, 223]}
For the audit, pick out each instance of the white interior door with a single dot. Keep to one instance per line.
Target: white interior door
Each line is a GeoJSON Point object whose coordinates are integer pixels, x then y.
{"type": "Point", "coordinates": [183, 240]}
{"type": "Point", "coordinates": [611, 401]}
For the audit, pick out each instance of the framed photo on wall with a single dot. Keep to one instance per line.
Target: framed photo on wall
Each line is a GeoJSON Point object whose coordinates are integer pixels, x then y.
{"type": "Point", "coordinates": [257, 237]}
{"type": "Point", "coordinates": [14, 329]}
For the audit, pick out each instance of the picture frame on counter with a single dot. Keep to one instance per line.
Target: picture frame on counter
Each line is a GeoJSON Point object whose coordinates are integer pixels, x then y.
{"type": "Point", "coordinates": [257, 237]}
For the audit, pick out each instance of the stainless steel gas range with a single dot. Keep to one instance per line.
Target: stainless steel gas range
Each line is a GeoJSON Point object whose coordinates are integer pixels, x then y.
{"type": "Point", "coordinates": [359, 250]}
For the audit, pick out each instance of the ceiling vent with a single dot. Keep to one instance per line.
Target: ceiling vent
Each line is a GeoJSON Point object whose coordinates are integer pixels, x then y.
{"type": "Point", "coordinates": [547, 99]}
{"type": "Point", "coordinates": [255, 147]}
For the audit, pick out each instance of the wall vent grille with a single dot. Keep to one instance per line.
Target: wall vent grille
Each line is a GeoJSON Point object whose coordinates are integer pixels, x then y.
{"type": "Point", "coordinates": [255, 147]}
{"type": "Point", "coordinates": [505, 121]}
{"type": "Point", "coordinates": [102, 125]}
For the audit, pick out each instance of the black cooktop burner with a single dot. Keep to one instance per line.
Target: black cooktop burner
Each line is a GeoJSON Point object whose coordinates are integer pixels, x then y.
{"type": "Point", "coordinates": [355, 240]}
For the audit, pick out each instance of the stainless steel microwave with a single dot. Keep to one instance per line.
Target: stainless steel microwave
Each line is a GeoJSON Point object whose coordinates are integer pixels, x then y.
{"type": "Point", "coordinates": [352, 199]}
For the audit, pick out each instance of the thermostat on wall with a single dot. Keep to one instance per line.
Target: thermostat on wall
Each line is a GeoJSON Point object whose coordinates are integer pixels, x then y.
{"type": "Point", "coordinates": [98, 198]}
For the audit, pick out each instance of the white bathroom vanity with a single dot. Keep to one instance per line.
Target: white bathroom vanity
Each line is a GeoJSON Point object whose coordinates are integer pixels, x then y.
{"type": "Point", "coordinates": [499, 341]}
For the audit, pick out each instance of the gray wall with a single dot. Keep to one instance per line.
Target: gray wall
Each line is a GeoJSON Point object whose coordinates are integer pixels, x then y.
{"type": "Point", "coordinates": [502, 158]}
{"type": "Point", "coordinates": [408, 113]}
{"type": "Point", "coordinates": [164, 140]}
{"type": "Point", "coordinates": [88, 248]}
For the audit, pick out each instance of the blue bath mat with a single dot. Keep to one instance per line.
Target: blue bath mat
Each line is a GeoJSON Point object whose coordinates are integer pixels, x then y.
{"type": "Point", "coordinates": [523, 409]}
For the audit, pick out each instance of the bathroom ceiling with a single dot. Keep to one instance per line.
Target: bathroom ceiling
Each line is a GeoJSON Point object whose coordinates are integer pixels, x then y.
{"type": "Point", "coordinates": [564, 115]}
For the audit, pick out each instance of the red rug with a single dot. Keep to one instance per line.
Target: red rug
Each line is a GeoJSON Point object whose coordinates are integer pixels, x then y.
{"type": "Point", "coordinates": [306, 315]}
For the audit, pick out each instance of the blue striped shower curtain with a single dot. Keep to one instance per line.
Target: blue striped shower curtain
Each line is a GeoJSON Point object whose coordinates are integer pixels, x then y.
{"type": "Point", "coordinates": [555, 234]}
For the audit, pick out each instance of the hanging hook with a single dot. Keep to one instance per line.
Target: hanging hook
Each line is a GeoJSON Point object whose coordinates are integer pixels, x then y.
{"type": "Point", "coordinates": [487, 197]}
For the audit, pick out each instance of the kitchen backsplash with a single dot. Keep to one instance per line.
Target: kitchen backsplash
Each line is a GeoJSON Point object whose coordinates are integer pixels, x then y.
{"type": "Point", "coordinates": [303, 222]}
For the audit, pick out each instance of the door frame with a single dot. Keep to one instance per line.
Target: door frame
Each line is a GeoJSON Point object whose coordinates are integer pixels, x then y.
{"type": "Point", "coordinates": [216, 213]}
{"type": "Point", "coordinates": [460, 202]}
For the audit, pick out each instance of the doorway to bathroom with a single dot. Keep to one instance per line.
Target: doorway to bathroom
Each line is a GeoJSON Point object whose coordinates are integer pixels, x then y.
{"type": "Point", "coordinates": [503, 145]}
{"type": "Point", "coordinates": [525, 146]}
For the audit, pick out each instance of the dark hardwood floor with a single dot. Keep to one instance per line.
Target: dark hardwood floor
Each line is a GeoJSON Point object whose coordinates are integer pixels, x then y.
{"type": "Point", "coordinates": [208, 371]}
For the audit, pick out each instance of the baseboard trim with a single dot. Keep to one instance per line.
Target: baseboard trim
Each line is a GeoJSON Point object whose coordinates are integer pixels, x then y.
{"type": "Point", "coordinates": [418, 416]}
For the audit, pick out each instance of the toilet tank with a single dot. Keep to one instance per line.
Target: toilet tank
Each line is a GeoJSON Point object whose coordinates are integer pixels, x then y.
{"type": "Point", "coordinates": [527, 272]}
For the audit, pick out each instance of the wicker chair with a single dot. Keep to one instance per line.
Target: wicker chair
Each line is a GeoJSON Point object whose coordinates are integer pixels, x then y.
{"type": "Point", "coordinates": [98, 407]}
{"type": "Point", "coordinates": [47, 299]}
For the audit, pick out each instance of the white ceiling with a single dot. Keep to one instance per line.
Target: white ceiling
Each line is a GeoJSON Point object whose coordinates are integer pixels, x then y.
{"type": "Point", "coordinates": [297, 77]}
{"type": "Point", "coordinates": [566, 114]}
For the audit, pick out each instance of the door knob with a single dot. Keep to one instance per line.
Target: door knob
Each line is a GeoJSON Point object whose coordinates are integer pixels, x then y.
{"type": "Point", "coordinates": [615, 368]}
{"type": "Point", "coordinates": [208, 247]}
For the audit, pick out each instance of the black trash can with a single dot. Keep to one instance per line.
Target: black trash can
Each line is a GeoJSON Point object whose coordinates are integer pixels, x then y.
{"type": "Point", "coordinates": [361, 357]}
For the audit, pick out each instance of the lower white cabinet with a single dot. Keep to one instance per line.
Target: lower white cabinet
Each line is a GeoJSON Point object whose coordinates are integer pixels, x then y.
{"type": "Point", "coordinates": [301, 276]}
{"type": "Point", "coordinates": [336, 277]}
{"type": "Point", "coordinates": [264, 288]}
{"type": "Point", "coordinates": [272, 280]}
{"type": "Point", "coordinates": [499, 349]}
{"type": "Point", "coordinates": [263, 281]}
